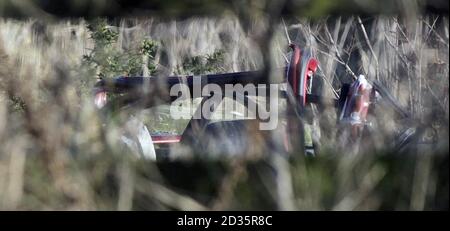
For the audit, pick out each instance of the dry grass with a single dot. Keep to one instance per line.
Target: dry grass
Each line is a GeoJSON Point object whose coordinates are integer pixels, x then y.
{"type": "Point", "coordinates": [57, 154]}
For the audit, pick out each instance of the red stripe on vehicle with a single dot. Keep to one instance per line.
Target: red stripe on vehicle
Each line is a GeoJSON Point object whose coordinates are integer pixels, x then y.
{"type": "Point", "coordinates": [166, 139]}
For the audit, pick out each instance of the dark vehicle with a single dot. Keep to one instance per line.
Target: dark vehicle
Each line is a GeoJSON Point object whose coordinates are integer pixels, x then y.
{"type": "Point", "coordinates": [200, 134]}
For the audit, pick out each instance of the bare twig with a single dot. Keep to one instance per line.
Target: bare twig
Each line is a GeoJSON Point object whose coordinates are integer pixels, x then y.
{"type": "Point", "coordinates": [284, 56]}
{"type": "Point", "coordinates": [286, 32]}
{"type": "Point", "coordinates": [363, 29]}
{"type": "Point", "coordinates": [404, 61]}
{"type": "Point", "coordinates": [338, 55]}
{"type": "Point", "coordinates": [437, 34]}
{"type": "Point", "coordinates": [431, 29]}
{"type": "Point", "coordinates": [328, 82]}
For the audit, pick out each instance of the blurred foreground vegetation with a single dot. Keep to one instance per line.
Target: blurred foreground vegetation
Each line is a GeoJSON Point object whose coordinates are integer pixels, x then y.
{"type": "Point", "coordinates": [57, 153]}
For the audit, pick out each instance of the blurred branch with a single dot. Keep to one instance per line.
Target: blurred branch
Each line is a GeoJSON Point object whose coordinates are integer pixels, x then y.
{"type": "Point", "coordinates": [228, 185]}
{"type": "Point", "coordinates": [126, 186]}
{"type": "Point", "coordinates": [168, 196]}
{"type": "Point", "coordinates": [32, 9]}
{"type": "Point", "coordinates": [163, 8]}
{"type": "Point", "coordinates": [16, 171]}
{"type": "Point", "coordinates": [421, 180]}
{"type": "Point", "coordinates": [353, 199]}
{"type": "Point", "coordinates": [283, 181]}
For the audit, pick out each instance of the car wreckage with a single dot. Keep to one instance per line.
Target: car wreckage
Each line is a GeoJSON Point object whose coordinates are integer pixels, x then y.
{"type": "Point", "coordinates": [201, 134]}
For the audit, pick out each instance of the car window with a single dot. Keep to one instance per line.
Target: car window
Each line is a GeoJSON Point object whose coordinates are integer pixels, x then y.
{"type": "Point", "coordinates": [230, 109]}
{"type": "Point", "coordinates": [159, 121]}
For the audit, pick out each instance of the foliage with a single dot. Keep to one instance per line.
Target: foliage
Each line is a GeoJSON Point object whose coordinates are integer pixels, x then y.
{"type": "Point", "coordinates": [202, 64]}
{"type": "Point", "coordinates": [111, 59]}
